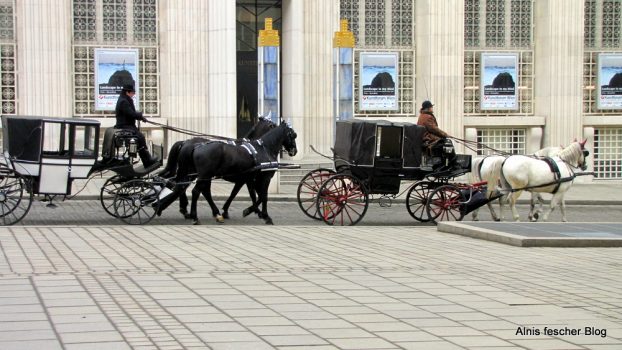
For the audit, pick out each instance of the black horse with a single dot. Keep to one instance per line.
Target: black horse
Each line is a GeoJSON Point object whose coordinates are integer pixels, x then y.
{"type": "Point", "coordinates": [183, 150]}
{"type": "Point", "coordinates": [239, 163]}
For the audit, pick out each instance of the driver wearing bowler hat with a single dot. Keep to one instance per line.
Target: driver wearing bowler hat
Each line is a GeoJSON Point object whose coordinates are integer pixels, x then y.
{"type": "Point", "coordinates": [427, 119]}
{"type": "Point", "coordinates": [127, 116]}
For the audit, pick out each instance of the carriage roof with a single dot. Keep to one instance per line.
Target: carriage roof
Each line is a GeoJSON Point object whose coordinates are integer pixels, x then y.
{"type": "Point", "coordinates": [361, 141]}
{"type": "Point", "coordinates": [23, 135]}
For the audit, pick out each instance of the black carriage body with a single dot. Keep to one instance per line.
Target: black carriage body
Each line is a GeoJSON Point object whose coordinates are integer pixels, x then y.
{"type": "Point", "coordinates": [380, 153]}
{"type": "Point", "coordinates": [51, 151]}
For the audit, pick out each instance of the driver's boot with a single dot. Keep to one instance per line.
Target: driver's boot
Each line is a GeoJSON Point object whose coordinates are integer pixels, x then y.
{"type": "Point", "coordinates": [147, 159]}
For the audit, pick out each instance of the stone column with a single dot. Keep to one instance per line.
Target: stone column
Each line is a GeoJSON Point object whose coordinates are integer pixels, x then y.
{"type": "Point", "coordinates": [221, 64]}
{"type": "Point", "coordinates": [184, 75]}
{"type": "Point", "coordinates": [44, 58]}
{"type": "Point", "coordinates": [440, 61]}
{"type": "Point", "coordinates": [293, 68]}
{"type": "Point", "coordinates": [321, 20]}
{"type": "Point", "coordinates": [197, 46]}
{"type": "Point", "coordinates": [558, 66]}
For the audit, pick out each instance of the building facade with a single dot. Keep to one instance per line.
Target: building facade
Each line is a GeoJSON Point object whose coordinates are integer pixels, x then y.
{"type": "Point", "coordinates": [198, 64]}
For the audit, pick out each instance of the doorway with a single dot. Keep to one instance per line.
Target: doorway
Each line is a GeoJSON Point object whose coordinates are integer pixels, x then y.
{"type": "Point", "coordinates": [250, 16]}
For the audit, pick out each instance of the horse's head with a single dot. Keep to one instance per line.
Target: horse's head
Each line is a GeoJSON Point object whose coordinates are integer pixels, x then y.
{"type": "Point", "coordinates": [261, 128]}
{"type": "Point", "coordinates": [579, 153]}
{"type": "Point", "coordinates": [289, 142]}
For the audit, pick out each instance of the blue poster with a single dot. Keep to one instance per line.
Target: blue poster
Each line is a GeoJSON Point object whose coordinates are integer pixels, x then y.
{"type": "Point", "coordinates": [114, 68]}
{"type": "Point", "coordinates": [609, 81]}
{"type": "Point", "coordinates": [499, 90]}
{"type": "Point", "coordinates": [378, 81]}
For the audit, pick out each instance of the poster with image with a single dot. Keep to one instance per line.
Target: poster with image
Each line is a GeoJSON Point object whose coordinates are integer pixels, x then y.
{"type": "Point", "coordinates": [609, 81]}
{"type": "Point", "coordinates": [499, 77]}
{"type": "Point", "coordinates": [114, 68]}
{"type": "Point", "coordinates": [378, 81]}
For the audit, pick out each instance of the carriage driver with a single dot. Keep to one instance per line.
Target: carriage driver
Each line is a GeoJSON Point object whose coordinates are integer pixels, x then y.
{"type": "Point", "coordinates": [126, 119]}
{"type": "Point", "coordinates": [433, 133]}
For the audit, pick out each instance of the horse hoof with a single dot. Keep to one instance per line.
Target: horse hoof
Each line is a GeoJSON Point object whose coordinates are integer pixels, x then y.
{"type": "Point", "coordinates": [188, 216]}
{"type": "Point", "coordinates": [246, 212]}
{"type": "Point", "coordinates": [497, 219]}
{"type": "Point", "coordinates": [269, 222]}
{"type": "Point", "coordinates": [220, 219]}
{"type": "Point", "coordinates": [183, 212]}
{"type": "Point", "coordinates": [536, 216]}
{"type": "Point", "coordinates": [225, 215]}
{"type": "Point", "coordinates": [196, 222]}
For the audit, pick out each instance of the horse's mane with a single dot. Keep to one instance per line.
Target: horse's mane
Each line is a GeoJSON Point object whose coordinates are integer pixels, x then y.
{"type": "Point", "coordinates": [571, 154]}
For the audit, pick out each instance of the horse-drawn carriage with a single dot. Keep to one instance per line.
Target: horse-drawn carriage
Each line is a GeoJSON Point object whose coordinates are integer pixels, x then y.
{"type": "Point", "coordinates": [373, 158]}
{"type": "Point", "coordinates": [43, 156]}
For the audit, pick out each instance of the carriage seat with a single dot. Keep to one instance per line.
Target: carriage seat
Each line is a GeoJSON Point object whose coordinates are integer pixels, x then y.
{"type": "Point", "coordinates": [114, 139]}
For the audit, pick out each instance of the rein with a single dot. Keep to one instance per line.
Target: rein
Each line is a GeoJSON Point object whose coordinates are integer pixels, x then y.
{"type": "Point", "coordinates": [190, 132]}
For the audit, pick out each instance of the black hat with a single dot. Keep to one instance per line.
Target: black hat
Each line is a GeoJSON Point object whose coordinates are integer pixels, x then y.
{"type": "Point", "coordinates": [426, 105]}
{"type": "Point", "coordinates": [128, 88]}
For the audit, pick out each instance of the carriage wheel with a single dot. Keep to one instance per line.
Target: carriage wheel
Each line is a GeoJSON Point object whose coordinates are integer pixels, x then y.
{"type": "Point", "coordinates": [444, 204]}
{"type": "Point", "coordinates": [107, 193]}
{"type": "Point", "coordinates": [416, 200]}
{"type": "Point", "coordinates": [342, 200]}
{"type": "Point", "coordinates": [136, 202]}
{"type": "Point", "coordinates": [308, 189]}
{"type": "Point", "coordinates": [15, 196]}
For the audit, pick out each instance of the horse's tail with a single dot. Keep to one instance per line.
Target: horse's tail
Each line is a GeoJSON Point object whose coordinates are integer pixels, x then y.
{"type": "Point", "coordinates": [476, 165]}
{"type": "Point", "coordinates": [504, 185]}
{"type": "Point", "coordinates": [170, 169]}
{"type": "Point", "coordinates": [492, 172]}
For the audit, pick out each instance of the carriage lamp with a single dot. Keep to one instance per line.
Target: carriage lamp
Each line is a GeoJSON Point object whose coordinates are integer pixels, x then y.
{"type": "Point", "coordinates": [133, 148]}
{"type": "Point", "coordinates": [448, 149]}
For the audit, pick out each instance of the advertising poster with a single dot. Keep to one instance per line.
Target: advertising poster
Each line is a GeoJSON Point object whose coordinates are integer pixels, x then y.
{"type": "Point", "coordinates": [499, 81]}
{"type": "Point", "coordinates": [609, 81]}
{"type": "Point", "coordinates": [378, 79]}
{"type": "Point", "coordinates": [114, 68]}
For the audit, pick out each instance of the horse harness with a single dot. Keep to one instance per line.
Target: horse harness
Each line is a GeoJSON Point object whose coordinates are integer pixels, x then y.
{"type": "Point", "coordinates": [262, 160]}
{"type": "Point", "coordinates": [554, 169]}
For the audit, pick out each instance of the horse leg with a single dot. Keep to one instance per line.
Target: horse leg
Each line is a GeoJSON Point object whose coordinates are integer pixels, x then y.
{"type": "Point", "coordinates": [207, 193]}
{"type": "Point", "coordinates": [183, 202]}
{"type": "Point", "coordinates": [563, 208]}
{"type": "Point", "coordinates": [540, 206]}
{"type": "Point", "coordinates": [474, 215]}
{"type": "Point", "coordinates": [502, 201]}
{"type": "Point", "coordinates": [196, 192]}
{"type": "Point", "coordinates": [234, 193]}
{"type": "Point", "coordinates": [552, 205]}
{"type": "Point", "coordinates": [513, 197]}
{"type": "Point", "coordinates": [532, 207]}
{"type": "Point", "coordinates": [254, 208]}
{"type": "Point", "coordinates": [262, 191]}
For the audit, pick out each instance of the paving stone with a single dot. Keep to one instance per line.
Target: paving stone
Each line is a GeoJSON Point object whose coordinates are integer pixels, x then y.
{"type": "Point", "coordinates": [362, 343]}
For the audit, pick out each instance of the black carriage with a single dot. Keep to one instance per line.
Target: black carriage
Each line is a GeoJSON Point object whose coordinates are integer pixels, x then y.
{"type": "Point", "coordinates": [373, 158]}
{"type": "Point", "coordinates": [42, 156]}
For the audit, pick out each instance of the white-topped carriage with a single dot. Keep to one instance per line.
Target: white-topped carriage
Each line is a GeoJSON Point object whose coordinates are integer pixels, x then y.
{"type": "Point", "coordinates": [51, 151]}
{"type": "Point", "coordinates": [43, 156]}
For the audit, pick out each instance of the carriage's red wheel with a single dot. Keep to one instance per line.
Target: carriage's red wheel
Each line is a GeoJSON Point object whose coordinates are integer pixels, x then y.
{"type": "Point", "coordinates": [342, 200]}
{"type": "Point", "coordinates": [15, 196]}
{"type": "Point", "coordinates": [444, 204]}
{"type": "Point", "coordinates": [308, 189]}
{"type": "Point", "coordinates": [416, 200]}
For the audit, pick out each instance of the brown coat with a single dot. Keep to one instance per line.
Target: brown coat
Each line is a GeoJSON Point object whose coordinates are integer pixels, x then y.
{"type": "Point", "coordinates": [433, 132]}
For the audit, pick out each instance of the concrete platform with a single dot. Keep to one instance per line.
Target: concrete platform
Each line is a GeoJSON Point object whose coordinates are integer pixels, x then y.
{"type": "Point", "coordinates": [523, 234]}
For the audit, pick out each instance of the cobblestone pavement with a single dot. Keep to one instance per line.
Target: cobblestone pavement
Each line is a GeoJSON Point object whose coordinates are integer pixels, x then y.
{"type": "Point", "coordinates": [90, 212]}
{"type": "Point", "coordinates": [295, 287]}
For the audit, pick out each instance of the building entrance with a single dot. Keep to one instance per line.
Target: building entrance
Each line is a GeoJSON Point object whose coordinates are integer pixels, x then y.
{"type": "Point", "coordinates": [250, 16]}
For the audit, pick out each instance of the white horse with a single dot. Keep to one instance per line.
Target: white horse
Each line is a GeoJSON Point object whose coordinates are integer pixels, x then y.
{"type": "Point", "coordinates": [520, 173]}
{"type": "Point", "coordinates": [488, 169]}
